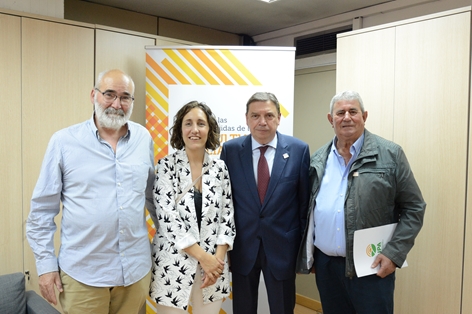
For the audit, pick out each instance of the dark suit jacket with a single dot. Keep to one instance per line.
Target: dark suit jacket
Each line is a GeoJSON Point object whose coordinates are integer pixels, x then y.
{"type": "Point", "coordinates": [280, 221]}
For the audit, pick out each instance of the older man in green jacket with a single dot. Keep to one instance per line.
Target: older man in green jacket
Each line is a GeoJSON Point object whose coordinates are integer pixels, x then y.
{"type": "Point", "coordinates": [359, 180]}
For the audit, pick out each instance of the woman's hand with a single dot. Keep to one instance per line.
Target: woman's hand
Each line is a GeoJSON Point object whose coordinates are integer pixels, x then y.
{"type": "Point", "coordinates": [211, 265]}
{"type": "Point", "coordinates": [213, 268]}
{"type": "Point", "coordinates": [220, 258]}
{"type": "Point", "coordinates": [207, 281]}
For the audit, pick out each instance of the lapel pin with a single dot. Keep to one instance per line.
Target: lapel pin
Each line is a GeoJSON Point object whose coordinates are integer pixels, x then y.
{"type": "Point", "coordinates": [285, 156]}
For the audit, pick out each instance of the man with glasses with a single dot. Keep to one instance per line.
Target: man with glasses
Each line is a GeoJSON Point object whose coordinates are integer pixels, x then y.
{"type": "Point", "coordinates": [102, 171]}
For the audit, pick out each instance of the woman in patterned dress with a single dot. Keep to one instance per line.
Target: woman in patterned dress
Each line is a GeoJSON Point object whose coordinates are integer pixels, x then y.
{"type": "Point", "coordinates": [194, 218]}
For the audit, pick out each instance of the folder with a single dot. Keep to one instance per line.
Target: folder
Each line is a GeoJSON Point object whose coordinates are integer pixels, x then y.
{"type": "Point", "coordinates": [368, 243]}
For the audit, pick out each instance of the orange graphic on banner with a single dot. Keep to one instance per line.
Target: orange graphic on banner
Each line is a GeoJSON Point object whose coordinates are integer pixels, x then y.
{"type": "Point", "coordinates": [227, 67]}
{"type": "Point", "coordinates": [213, 68]}
{"type": "Point", "coordinates": [158, 83]}
{"type": "Point", "coordinates": [200, 69]}
{"type": "Point", "coordinates": [151, 63]}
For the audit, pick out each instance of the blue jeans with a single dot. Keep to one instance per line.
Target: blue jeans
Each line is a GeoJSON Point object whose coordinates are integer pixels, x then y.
{"type": "Point", "coordinates": [344, 295]}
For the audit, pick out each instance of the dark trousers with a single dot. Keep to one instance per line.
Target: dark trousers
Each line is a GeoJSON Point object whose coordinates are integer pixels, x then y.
{"type": "Point", "coordinates": [344, 295]}
{"type": "Point", "coordinates": [280, 293]}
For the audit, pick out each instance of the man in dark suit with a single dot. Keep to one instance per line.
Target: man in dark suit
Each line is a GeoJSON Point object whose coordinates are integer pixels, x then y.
{"type": "Point", "coordinates": [269, 220]}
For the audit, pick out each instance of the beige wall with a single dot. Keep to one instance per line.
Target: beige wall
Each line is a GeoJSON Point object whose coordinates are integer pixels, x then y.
{"type": "Point", "coordinates": [314, 88]}
{"type": "Point", "coordinates": [414, 77]}
{"type": "Point", "coordinates": [11, 231]}
{"type": "Point", "coordinates": [57, 74]}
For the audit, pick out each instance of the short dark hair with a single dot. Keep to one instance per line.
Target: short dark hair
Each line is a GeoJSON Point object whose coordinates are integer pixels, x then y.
{"type": "Point", "coordinates": [263, 96]}
{"type": "Point", "coordinates": [213, 140]}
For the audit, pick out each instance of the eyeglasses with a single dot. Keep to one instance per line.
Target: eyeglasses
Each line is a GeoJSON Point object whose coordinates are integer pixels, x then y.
{"type": "Point", "coordinates": [111, 97]}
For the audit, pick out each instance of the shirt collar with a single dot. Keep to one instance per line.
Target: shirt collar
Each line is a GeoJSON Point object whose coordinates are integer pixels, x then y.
{"type": "Point", "coordinates": [256, 145]}
{"type": "Point", "coordinates": [355, 148]}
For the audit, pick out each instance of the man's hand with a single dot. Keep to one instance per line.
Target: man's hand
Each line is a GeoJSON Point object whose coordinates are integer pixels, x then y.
{"type": "Point", "coordinates": [46, 285]}
{"type": "Point", "coordinates": [386, 266]}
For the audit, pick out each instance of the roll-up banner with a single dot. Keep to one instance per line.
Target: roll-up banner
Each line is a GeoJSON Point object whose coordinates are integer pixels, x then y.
{"type": "Point", "coordinates": [223, 77]}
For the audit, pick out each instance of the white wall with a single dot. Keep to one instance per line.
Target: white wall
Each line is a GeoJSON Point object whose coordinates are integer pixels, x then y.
{"type": "Point", "coordinates": [52, 8]}
{"type": "Point", "coordinates": [372, 16]}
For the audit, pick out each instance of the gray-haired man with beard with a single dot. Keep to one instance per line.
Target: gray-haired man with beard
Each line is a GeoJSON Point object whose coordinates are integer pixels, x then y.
{"type": "Point", "coordinates": [102, 170]}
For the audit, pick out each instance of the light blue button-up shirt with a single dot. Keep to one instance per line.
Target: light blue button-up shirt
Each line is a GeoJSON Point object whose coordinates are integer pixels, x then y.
{"type": "Point", "coordinates": [329, 232]}
{"type": "Point", "coordinates": [104, 237]}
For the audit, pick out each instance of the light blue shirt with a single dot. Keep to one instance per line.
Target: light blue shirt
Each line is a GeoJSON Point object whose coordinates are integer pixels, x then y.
{"type": "Point", "coordinates": [329, 232]}
{"type": "Point", "coordinates": [104, 237]}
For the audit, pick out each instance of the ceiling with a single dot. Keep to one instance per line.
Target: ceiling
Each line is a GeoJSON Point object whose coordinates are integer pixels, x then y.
{"type": "Point", "coordinates": [248, 17]}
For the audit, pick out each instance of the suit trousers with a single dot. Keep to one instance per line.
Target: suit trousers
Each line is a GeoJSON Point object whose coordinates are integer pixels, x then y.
{"type": "Point", "coordinates": [350, 295]}
{"type": "Point", "coordinates": [280, 293]}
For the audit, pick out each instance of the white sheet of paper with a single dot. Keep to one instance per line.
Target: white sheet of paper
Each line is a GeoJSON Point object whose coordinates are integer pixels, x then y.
{"type": "Point", "coordinates": [368, 243]}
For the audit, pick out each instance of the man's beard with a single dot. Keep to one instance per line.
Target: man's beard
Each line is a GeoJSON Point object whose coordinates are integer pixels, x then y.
{"type": "Point", "coordinates": [111, 118]}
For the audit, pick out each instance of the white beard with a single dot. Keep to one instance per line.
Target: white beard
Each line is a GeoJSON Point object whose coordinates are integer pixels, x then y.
{"type": "Point", "coordinates": [111, 118]}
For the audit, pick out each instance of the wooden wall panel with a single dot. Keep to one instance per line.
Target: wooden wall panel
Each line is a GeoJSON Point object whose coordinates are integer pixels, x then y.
{"type": "Point", "coordinates": [11, 232]}
{"type": "Point", "coordinates": [57, 77]}
{"type": "Point", "coordinates": [116, 50]}
{"type": "Point", "coordinates": [365, 63]}
{"type": "Point", "coordinates": [431, 123]}
{"type": "Point", "coordinates": [426, 76]}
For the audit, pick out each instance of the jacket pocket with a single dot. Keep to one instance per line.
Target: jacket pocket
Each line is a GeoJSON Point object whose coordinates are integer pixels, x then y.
{"type": "Point", "coordinates": [372, 196]}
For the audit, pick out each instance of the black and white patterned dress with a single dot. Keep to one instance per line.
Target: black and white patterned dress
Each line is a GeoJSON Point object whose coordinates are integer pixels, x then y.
{"type": "Point", "coordinates": [173, 270]}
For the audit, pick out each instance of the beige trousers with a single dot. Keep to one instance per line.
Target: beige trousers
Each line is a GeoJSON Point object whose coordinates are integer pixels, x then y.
{"type": "Point", "coordinates": [78, 298]}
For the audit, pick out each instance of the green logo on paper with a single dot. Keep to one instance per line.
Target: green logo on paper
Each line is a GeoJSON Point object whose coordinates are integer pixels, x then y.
{"type": "Point", "coordinates": [372, 249]}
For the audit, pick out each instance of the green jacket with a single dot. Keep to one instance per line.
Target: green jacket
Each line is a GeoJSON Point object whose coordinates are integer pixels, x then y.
{"type": "Point", "coordinates": [381, 190]}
